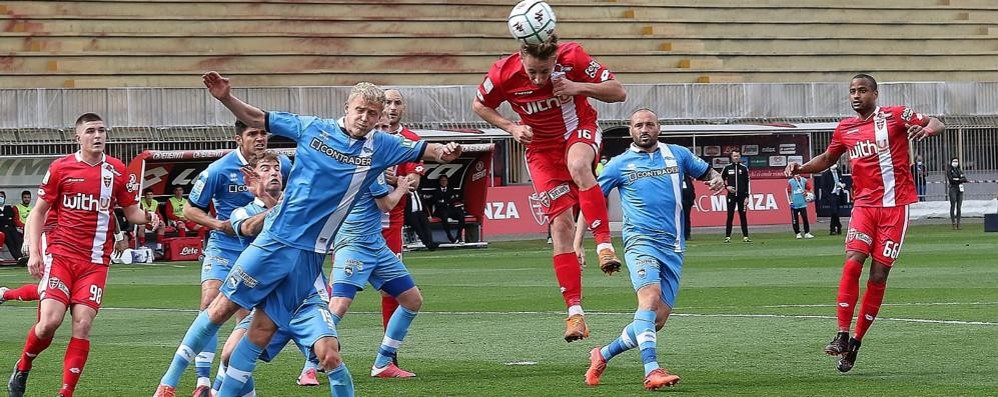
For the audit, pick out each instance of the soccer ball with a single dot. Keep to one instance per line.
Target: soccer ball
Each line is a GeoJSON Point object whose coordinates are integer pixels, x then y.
{"type": "Point", "coordinates": [809, 197]}
{"type": "Point", "coordinates": [531, 21]}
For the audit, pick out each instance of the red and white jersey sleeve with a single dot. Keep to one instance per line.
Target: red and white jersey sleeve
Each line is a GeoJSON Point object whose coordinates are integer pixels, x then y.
{"type": "Point", "coordinates": [396, 217]}
{"type": "Point", "coordinates": [585, 69]}
{"type": "Point", "coordinates": [878, 152]}
{"type": "Point", "coordinates": [84, 197]}
{"type": "Point", "coordinates": [490, 92]}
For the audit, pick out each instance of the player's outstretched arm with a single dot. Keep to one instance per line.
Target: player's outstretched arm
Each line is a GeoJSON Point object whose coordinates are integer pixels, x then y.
{"type": "Point", "coordinates": [933, 128]}
{"type": "Point", "coordinates": [819, 163]}
{"type": "Point", "coordinates": [442, 153]}
{"type": "Point", "coordinates": [521, 133]}
{"type": "Point", "coordinates": [609, 91]}
{"type": "Point", "coordinates": [388, 202]}
{"type": "Point", "coordinates": [253, 225]}
{"type": "Point", "coordinates": [202, 218]}
{"type": "Point", "coordinates": [221, 89]}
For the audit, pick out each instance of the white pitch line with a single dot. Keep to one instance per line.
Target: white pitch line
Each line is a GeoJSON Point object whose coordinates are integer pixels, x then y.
{"type": "Point", "coordinates": [715, 315]}
{"type": "Point", "coordinates": [893, 304]}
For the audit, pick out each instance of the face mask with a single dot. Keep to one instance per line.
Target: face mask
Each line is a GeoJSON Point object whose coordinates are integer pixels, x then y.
{"type": "Point", "coordinates": [2, 200]}
{"type": "Point", "coordinates": [955, 164]}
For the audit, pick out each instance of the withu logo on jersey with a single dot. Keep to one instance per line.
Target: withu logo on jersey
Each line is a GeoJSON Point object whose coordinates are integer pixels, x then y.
{"type": "Point", "coordinates": [85, 202]}
{"type": "Point", "coordinates": [867, 148]}
{"type": "Point", "coordinates": [541, 105]}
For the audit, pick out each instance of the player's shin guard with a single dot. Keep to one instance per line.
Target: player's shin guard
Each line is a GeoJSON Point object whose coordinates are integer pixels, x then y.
{"type": "Point", "coordinates": [627, 341]}
{"type": "Point", "coordinates": [872, 300]}
{"type": "Point", "coordinates": [398, 327]}
{"type": "Point", "coordinates": [340, 381]}
{"type": "Point", "coordinates": [202, 362]}
{"type": "Point", "coordinates": [569, 274]}
{"type": "Point", "coordinates": [848, 293]}
{"type": "Point", "coordinates": [644, 330]}
{"type": "Point", "coordinates": [72, 365]}
{"type": "Point", "coordinates": [239, 373]}
{"type": "Point", "coordinates": [197, 336]}
{"type": "Point", "coordinates": [33, 346]}
{"type": "Point", "coordinates": [25, 293]}
{"type": "Point", "coordinates": [593, 206]}
{"type": "Point", "coordinates": [388, 306]}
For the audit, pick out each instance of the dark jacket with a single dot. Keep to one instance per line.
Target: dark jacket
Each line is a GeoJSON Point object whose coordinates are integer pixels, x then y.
{"type": "Point", "coordinates": [737, 176]}
{"type": "Point", "coordinates": [955, 176]}
{"type": "Point", "coordinates": [6, 217]}
{"type": "Point", "coordinates": [445, 200]}
{"type": "Point", "coordinates": [689, 192]}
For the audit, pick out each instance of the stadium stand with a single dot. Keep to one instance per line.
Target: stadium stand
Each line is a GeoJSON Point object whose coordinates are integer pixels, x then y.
{"type": "Point", "coordinates": [97, 44]}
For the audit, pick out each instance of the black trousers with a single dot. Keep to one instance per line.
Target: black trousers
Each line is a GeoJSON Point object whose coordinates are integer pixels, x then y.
{"type": "Point", "coordinates": [13, 241]}
{"type": "Point", "coordinates": [955, 204]}
{"type": "Point", "coordinates": [802, 212]}
{"type": "Point", "coordinates": [834, 224]}
{"type": "Point", "coordinates": [453, 213]}
{"type": "Point", "coordinates": [687, 221]}
{"type": "Point", "coordinates": [418, 222]}
{"type": "Point", "coordinates": [736, 201]}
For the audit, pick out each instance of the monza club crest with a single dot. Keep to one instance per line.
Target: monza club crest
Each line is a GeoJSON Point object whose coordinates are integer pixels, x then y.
{"type": "Point", "coordinates": [539, 202]}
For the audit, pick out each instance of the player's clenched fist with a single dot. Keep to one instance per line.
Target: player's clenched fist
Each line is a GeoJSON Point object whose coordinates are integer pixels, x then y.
{"type": "Point", "coordinates": [523, 134]}
{"type": "Point", "coordinates": [792, 169]}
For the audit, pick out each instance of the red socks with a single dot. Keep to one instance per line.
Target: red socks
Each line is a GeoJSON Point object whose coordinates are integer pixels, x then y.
{"type": "Point", "coordinates": [72, 365]}
{"type": "Point", "coordinates": [593, 206]}
{"type": "Point", "coordinates": [872, 299]}
{"type": "Point", "coordinates": [26, 292]}
{"type": "Point", "coordinates": [569, 274]}
{"type": "Point", "coordinates": [848, 293]}
{"type": "Point", "coordinates": [33, 346]}
{"type": "Point", "coordinates": [388, 306]}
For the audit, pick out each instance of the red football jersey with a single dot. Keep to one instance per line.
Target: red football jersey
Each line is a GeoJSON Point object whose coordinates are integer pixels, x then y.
{"type": "Point", "coordinates": [84, 197]}
{"type": "Point", "coordinates": [878, 151]}
{"type": "Point", "coordinates": [552, 119]}
{"type": "Point", "coordinates": [397, 215]}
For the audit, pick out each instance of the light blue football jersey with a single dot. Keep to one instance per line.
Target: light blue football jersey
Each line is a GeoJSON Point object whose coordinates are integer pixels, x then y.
{"type": "Point", "coordinates": [330, 172]}
{"type": "Point", "coordinates": [650, 190]}
{"type": "Point", "coordinates": [363, 224]}
{"type": "Point", "coordinates": [222, 184]}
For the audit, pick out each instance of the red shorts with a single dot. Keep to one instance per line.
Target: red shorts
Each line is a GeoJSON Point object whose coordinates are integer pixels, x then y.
{"type": "Point", "coordinates": [74, 281]}
{"type": "Point", "coordinates": [554, 189]}
{"type": "Point", "coordinates": [393, 237]}
{"type": "Point", "coordinates": [878, 232]}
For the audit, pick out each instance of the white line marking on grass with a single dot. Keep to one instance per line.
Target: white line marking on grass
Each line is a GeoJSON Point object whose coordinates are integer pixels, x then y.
{"type": "Point", "coordinates": [716, 315]}
{"type": "Point", "coordinates": [522, 363]}
{"type": "Point", "coordinates": [894, 304]}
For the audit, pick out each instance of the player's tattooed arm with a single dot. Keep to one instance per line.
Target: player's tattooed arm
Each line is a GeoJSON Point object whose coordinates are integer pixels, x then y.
{"type": "Point", "coordinates": [713, 180]}
{"type": "Point", "coordinates": [221, 89]}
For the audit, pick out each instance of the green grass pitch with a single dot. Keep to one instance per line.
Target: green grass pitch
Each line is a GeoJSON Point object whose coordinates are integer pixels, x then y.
{"type": "Point", "coordinates": [751, 319]}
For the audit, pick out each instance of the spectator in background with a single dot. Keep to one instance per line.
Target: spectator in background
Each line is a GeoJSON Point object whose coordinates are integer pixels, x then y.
{"type": "Point", "coordinates": [447, 205]}
{"type": "Point", "coordinates": [798, 195]}
{"type": "Point", "coordinates": [838, 189]}
{"type": "Point", "coordinates": [21, 211]}
{"type": "Point", "coordinates": [415, 217]}
{"type": "Point", "coordinates": [956, 178]}
{"type": "Point", "coordinates": [11, 237]}
{"type": "Point", "coordinates": [736, 176]}
{"type": "Point", "coordinates": [149, 204]}
{"type": "Point", "coordinates": [918, 172]}
{"type": "Point", "coordinates": [689, 196]}
{"type": "Point", "coordinates": [175, 213]}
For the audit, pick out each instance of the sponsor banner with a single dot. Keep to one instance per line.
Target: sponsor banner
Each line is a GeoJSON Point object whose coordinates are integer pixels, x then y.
{"type": "Point", "coordinates": [767, 205]}
{"type": "Point", "coordinates": [182, 248]}
{"type": "Point", "coordinates": [22, 173]}
{"type": "Point", "coordinates": [777, 161]}
{"type": "Point", "coordinates": [750, 150]}
{"type": "Point", "coordinates": [509, 210]}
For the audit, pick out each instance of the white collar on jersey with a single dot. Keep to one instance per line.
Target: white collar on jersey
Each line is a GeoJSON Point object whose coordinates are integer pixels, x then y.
{"type": "Point", "coordinates": [257, 201]}
{"type": "Point", "coordinates": [397, 130]}
{"type": "Point", "coordinates": [636, 149]}
{"type": "Point", "coordinates": [79, 158]}
{"type": "Point", "coordinates": [239, 154]}
{"type": "Point", "coordinates": [340, 122]}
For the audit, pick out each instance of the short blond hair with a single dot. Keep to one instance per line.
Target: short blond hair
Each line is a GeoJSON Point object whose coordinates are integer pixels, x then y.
{"type": "Point", "coordinates": [370, 92]}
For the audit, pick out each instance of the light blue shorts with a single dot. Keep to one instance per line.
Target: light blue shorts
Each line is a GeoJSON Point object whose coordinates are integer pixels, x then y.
{"type": "Point", "coordinates": [650, 264]}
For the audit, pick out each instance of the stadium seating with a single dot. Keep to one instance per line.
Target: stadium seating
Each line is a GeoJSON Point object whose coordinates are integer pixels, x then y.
{"type": "Point", "coordinates": [429, 42]}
